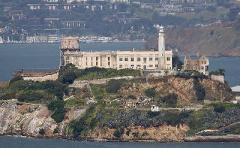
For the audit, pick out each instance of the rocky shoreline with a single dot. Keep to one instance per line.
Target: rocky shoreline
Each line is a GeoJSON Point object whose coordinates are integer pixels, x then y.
{"type": "Point", "coordinates": [226, 138]}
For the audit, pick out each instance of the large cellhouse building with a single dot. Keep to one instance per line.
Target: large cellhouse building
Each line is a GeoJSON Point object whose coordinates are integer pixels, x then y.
{"type": "Point", "coordinates": [160, 59]}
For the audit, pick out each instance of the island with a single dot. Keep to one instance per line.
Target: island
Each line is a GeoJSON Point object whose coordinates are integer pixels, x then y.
{"type": "Point", "coordinates": [121, 96]}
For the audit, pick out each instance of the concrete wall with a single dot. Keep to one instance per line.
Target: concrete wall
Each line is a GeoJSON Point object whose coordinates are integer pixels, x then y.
{"type": "Point", "coordinates": [50, 77]}
{"type": "Point", "coordinates": [219, 78]}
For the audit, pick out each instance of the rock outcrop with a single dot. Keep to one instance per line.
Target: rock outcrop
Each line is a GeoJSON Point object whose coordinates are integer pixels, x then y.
{"type": "Point", "coordinates": [33, 120]}
{"type": "Point", "coordinates": [27, 120]}
{"type": "Point", "coordinates": [164, 133]}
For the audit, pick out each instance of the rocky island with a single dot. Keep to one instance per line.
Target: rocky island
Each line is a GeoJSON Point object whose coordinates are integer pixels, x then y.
{"type": "Point", "coordinates": [108, 105]}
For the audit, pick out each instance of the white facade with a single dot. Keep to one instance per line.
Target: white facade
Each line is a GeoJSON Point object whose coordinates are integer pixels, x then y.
{"type": "Point", "coordinates": [145, 60]}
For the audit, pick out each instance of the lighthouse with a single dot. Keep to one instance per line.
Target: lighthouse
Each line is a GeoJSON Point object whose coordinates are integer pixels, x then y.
{"type": "Point", "coordinates": [161, 48]}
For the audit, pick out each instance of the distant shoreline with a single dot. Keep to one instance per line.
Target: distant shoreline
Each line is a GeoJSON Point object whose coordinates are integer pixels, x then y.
{"type": "Point", "coordinates": [87, 41]}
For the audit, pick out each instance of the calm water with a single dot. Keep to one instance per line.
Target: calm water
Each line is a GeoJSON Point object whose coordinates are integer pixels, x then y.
{"type": "Point", "coordinates": [46, 56]}
{"type": "Point", "coordinates": [11, 142]}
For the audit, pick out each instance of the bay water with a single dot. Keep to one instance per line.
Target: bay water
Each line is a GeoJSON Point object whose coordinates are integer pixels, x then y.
{"type": "Point", "coordinates": [18, 142]}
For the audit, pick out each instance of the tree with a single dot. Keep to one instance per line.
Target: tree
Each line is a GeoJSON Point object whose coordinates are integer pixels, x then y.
{"type": "Point", "coordinates": [218, 72]}
{"type": "Point", "coordinates": [16, 78]}
{"type": "Point", "coordinates": [57, 107]}
{"type": "Point", "coordinates": [118, 132]}
{"type": "Point", "coordinates": [219, 108]}
{"type": "Point", "coordinates": [68, 77]}
{"type": "Point", "coordinates": [67, 74]}
{"type": "Point", "coordinates": [150, 92]}
{"type": "Point", "coordinates": [177, 62]}
{"type": "Point", "coordinates": [113, 86]}
{"type": "Point", "coordinates": [170, 100]}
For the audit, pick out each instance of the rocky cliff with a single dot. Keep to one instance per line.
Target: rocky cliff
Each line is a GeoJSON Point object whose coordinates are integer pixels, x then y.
{"type": "Point", "coordinates": [164, 133]}
{"type": "Point", "coordinates": [33, 120]}
{"type": "Point", "coordinates": [28, 120]}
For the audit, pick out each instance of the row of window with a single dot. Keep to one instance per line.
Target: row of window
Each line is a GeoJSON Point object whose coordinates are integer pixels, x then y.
{"type": "Point", "coordinates": [97, 58]}
{"type": "Point", "coordinates": [139, 66]}
{"type": "Point", "coordinates": [139, 59]}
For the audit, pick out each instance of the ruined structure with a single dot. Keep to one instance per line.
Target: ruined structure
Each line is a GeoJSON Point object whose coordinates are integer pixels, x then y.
{"type": "Point", "coordinates": [200, 64]}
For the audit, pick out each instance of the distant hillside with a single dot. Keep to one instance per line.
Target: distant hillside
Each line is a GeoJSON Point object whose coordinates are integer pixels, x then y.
{"type": "Point", "coordinates": [215, 40]}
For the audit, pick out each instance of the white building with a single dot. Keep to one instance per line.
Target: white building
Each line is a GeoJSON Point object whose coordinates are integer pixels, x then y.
{"type": "Point", "coordinates": [160, 59]}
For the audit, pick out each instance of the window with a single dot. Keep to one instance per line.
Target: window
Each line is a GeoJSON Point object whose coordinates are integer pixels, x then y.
{"type": "Point", "coordinates": [156, 59]}
{"type": "Point", "coordinates": [126, 59]}
{"type": "Point", "coordinates": [138, 59]}
{"type": "Point", "coordinates": [96, 58]}
{"type": "Point", "coordinates": [120, 59]}
{"type": "Point", "coordinates": [132, 59]}
{"type": "Point", "coordinates": [168, 58]}
{"type": "Point", "coordinates": [108, 58]}
{"type": "Point", "coordinates": [150, 59]}
{"type": "Point", "coordinates": [120, 66]}
{"type": "Point", "coordinates": [108, 63]}
{"type": "Point", "coordinates": [144, 67]}
{"type": "Point", "coordinates": [156, 65]}
{"type": "Point", "coordinates": [145, 60]}
{"type": "Point", "coordinates": [150, 65]}
{"type": "Point", "coordinates": [96, 63]}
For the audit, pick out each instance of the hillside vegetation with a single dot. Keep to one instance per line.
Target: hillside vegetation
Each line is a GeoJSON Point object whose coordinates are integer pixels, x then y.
{"type": "Point", "coordinates": [118, 109]}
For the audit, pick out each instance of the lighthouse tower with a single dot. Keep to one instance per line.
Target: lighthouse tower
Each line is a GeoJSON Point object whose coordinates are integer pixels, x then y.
{"type": "Point", "coordinates": [161, 48]}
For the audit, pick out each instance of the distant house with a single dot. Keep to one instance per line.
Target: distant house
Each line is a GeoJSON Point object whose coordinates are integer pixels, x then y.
{"type": "Point", "coordinates": [200, 64]}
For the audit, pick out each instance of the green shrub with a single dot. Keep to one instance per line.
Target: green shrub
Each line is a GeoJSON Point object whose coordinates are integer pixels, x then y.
{"type": "Point", "coordinates": [218, 72]}
{"type": "Point", "coordinates": [219, 108]}
{"type": "Point", "coordinates": [55, 88]}
{"type": "Point", "coordinates": [170, 100]}
{"type": "Point", "coordinates": [88, 121]}
{"type": "Point", "coordinates": [98, 91]}
{"type": "Point", "coordinates": [52, 87]}
{"type": "Point", "coordinates": [57, 107]}
{"type": "Point", "coordinates": [33, 96]}
{"type": "Point", "coordinates": [68, 77]}
{"type": "Point", "coordinates": [16, 78]}
{"type": "Point", "coordinates": [118, 132]}
{"type": "Point", "coordinates": [114, 85]}
{"type": "Point", "coordinates": [7, 96]}
{"type": "Point", "coordinates": [150, 92]}
{"type": "Point", "coordinates": [41, 132]}
{"type": "Point", "coordinates": [152, 114]}
{"type": "Point", "coordinates": [74, 103]}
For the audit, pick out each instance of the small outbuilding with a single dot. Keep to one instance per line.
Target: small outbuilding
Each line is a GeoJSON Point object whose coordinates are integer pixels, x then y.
{"type": "Point", "coordinates": [155, 108]}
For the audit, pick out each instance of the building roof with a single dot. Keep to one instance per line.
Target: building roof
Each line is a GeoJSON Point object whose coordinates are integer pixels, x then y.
{"type": "Point", "coordinates": [236, 88]}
